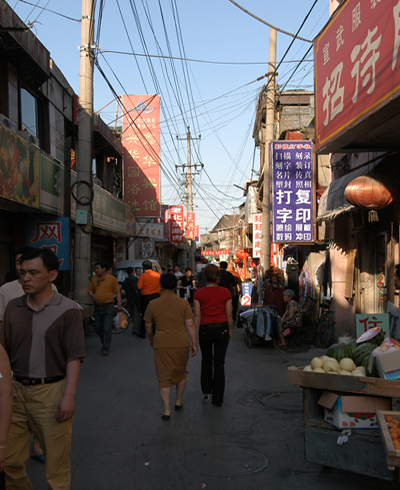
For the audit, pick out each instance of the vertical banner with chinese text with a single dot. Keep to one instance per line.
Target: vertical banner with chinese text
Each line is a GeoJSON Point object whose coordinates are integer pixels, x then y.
{"type": "Point", "coordinates": [257, 234]}
{"type": "Point", "coordinates": [176, 223]}
{"type": "Point", "coordinates": [165, 220]}
{"type": "Point", "coordinates": [141, 153]}
{"type": "Point", "coordinates": [292, 191]}
{"type": "Point", "coordinates": [190, 226]}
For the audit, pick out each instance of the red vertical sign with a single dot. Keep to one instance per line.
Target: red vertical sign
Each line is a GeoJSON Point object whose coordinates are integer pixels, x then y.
{"type": "Point", "coordinates": [190, 226]}
{"type": "Point", "coordinates": [141, 153]}
{"type": "Point", "coordinates": [197, 233]}
{"type": "Point", "coordinates": [165, 219]}
{"type": "Point", "coordinates": [176, 223]}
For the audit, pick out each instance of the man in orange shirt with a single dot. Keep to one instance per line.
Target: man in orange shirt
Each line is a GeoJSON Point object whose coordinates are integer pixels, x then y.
{"type": "Point", "coordinates": [102, 289]}
{"type": "Point", "coordinates": [149, 285]}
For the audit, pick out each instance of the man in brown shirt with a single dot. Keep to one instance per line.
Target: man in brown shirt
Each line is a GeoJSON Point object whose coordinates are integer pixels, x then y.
{"type": "Point", "coordinates": [43, 336]}
{"type": "Point", "coordinates": [102, 289]}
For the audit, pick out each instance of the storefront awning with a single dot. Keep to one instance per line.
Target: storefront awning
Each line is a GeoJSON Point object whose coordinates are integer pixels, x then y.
{"type": "Point", "coordinates": [332, 202]}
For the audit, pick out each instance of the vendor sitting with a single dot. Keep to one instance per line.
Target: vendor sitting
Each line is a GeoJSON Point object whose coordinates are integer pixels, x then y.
{"type": "Point", "coordinates": [291, 319]}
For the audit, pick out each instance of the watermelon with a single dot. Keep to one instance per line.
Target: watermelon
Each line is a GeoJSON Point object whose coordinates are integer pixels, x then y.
{"type": "Point", "coordinates": [362, 350]}
{"type": "Point", "coordinates": [339, 351]}
{"type": "Point", "coordinates": [365, 362]}
{"type": "Point", "coordinates": [352, 345]}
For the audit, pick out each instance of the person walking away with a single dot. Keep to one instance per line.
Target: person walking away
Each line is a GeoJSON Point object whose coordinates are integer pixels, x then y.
{"type": "Point", "coordinates": [149, 286]}
{"type": "Point", "coordinates": [235, 291]}
{"type": "Point", "coordinates": [171, 316]}
{"type": "Point", "coordinates": [43, 336]}
{"type": "Point", "coordinates": [129, 286]}
{"type": "Point", "coordinates": [292, 318]}
{"type": "Point", "coordinates": [102, 289]}
{"type": "Point", "coordinates": [213, 306]}
{"type": "Point", "coordinates": [10, 291]}
{"type": "Point", "coordinates": [6, 401]}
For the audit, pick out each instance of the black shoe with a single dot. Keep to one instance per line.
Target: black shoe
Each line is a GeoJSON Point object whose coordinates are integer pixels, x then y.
{"type": "Point", "coordinates": [217, 405]}
{"type": "Point", "coordinates": [104, 352]}
{"type": "Point", "coordinates": [178, 407]}
{"type": "Point", "coordinates": [166, 417]}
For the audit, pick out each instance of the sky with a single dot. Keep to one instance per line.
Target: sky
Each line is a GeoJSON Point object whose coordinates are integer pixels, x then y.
{"type": "Point", "coordinates": [210, 86]}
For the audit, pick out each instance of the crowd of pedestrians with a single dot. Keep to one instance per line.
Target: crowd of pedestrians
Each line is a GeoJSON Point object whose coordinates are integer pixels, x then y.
{"type": "Point", "coordinates": [42, 344]}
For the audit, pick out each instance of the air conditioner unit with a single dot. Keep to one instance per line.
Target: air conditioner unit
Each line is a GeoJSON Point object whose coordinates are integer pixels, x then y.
{"type": "Point", "coordinates": [28, 136]}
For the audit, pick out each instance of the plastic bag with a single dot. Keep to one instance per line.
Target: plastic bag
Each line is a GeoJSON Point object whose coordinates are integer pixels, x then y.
{"type": "Point", "coordinates": [120, 320]}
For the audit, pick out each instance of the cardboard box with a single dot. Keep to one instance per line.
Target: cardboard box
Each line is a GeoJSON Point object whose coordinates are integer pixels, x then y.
{"type": "Point", "coordinates": [388, 365]}
{"type": "Point", "coordinates": [352, 412]}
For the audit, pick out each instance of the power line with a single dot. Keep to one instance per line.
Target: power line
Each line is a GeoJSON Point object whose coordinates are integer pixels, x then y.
{"type": "Point", "coordinates": [47, 10]}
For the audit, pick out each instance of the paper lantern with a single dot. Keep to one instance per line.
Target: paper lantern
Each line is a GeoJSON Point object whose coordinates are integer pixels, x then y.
{"type": "Point", "coordinates": [368, 193]}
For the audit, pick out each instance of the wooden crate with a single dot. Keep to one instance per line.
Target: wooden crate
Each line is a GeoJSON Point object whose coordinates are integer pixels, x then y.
{"type": "Point", "coordinates": [353, 384]}
{"type": "Point", "coordinates": [392, 455]}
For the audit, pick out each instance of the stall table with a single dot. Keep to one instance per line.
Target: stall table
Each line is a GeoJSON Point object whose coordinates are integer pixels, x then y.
{"type": "Point", "coordinates": [364, 452]}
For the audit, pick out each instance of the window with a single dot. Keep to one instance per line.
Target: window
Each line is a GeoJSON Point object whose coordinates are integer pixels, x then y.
{"type": "Point", "coordinates": [29, 112]}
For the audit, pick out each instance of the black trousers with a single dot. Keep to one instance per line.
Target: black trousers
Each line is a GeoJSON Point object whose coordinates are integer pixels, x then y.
{"type": "Point", "coordinates": [144, 302]}
{"type": "Point", "coordinates": [213, 340]}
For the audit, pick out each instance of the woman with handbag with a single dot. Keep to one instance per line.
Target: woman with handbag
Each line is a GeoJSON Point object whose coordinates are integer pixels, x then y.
{"type": "Point", "coordinates": [213, 312]}
{"type": "Point", "coordinates": [291, 319]}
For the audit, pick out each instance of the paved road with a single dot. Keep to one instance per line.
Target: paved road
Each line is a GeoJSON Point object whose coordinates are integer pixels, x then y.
{"type": "Point", "coordinates": [255, 441]}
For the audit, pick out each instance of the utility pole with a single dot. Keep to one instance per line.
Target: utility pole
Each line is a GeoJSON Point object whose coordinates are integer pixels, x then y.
{"type": "Point", "coordinates": [189, 194]}
{"type": "Point", "coordinates": [84, 187]}
{"type": "Point", "coordinates": [268, 136]}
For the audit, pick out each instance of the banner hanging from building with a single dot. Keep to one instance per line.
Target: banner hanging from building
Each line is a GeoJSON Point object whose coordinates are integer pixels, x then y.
{"type": "Point", "coordinates": [165, 220]}
{"type": "Point", "coordinates": [141, 153]}
{"type": "Point", "coordinates": [176, 223]}
{"type": "Point", "coordinates": [292, 191]}
{"type": "Point", "coordinates": [257, 234]}
{"type": "Point", "coordinates": [50, 233]}
{"type": "Point", "coordinates": [197, 233]}
{"type": "Point", "coordinates": [224, 251]}
{"type": "Point", "coordinates": [190, 226]}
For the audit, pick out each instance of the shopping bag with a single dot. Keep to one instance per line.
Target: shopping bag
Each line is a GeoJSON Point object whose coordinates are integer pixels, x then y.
{"type": "Point", "coordinates": [120, 320]}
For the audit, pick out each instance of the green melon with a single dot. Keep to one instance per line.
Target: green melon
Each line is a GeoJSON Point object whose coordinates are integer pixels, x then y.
{"type": "Point", "coordinates": [352, 345]}
{"type": "Point", "coordinates": [362, 350]}
{"type": "Point", "coordinates": [339, 351]}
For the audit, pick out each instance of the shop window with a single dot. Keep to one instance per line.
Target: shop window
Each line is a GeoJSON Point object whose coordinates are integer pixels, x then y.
{"type": "Point", "coordinates": [29, 113]}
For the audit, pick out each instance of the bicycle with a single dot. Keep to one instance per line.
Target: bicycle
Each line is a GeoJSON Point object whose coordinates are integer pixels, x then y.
{"type": "Point", "coordinates": [325, 327]}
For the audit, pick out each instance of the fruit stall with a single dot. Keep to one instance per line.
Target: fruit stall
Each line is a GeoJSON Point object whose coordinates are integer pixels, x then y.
{"type": "Point", "coordinates": [344, 398]}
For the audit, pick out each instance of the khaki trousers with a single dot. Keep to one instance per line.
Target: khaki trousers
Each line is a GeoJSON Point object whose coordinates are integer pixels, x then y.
{"type": "Point", "coordinates": [34, 409]}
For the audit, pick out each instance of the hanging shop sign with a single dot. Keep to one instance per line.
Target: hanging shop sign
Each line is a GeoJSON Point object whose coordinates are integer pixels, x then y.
{"type": "Point", "coordinates": [141, 153]}
{"type": "Point", "coordinates": [165, 220]}
{"type": "Point", "coordinates": [50, 233]}
{"type": "Point", "coordinates": [257, 235]}
{"type": "Point", "coordinates": [224, 251]}
{"type": "Point", "coordinates": [247, 288]}
{"type": "Point", "coordinates": [292, 192]}
{"type": "Point", "coordinates": [370, 321]}
{"type": "Point", "coordinates": [197, 233]}
{"type": "Point", "coordinates": [150, 230]}
{"type": "Point", "coordinates": [357, 77]}
{"type": "Point", "coordinates": [190, 226]}
{"type": "Point", "coordinates": [176, 223]}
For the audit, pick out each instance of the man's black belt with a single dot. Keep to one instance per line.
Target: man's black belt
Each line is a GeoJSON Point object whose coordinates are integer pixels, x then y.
{"type": "Point", "coordinates": [37, 381]}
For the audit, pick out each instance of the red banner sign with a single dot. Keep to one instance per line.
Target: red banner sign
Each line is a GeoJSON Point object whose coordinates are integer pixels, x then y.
{"type": "Point", "coordinates": [197, 232]}
{"type": "Point", "coordinates": [225, 251]}
{"type": "Point", "coordinates": [190, 226]}
{"type": "Point", "coordinates": [357, 65]}
{"type": "Point", "coordinates": [141, 153]}
{"type": "Point", "coordinates": [176, 223]}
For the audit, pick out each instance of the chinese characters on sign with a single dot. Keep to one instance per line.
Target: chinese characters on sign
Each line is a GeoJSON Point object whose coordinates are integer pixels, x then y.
{"type": "Point", "coordinates": [190, 227]}
{"type": "Point", "coordinates": [356, 65]}
{"type": "Point", "coordinates": [225, 251]}
{"type": "Point", "coordinates": [292, 191]}
{"type": "Point", "coordinates": [366, 322]}
{"type": "Point", "coordinates": [176, 223]}
{"type": "Point", "coordinates": [50, 233]}
{"type": "Point", "coordinates": [257, 234]}
{"type": "Point", "coordinates": [141, 153]}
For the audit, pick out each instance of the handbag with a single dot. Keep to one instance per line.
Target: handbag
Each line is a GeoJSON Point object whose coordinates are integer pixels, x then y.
{"type": "Point", "coordinates": [287, 332]}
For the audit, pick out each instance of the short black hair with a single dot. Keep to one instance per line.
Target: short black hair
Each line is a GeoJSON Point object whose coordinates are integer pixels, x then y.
{"type": "Point", "coordinates": [49, 258]}
{"type": "Point", "coordinates": [168, 280]}
{"type": "Point", "coordinates": [22, 250]}
{"type": "Point", "coordinates": [129, 270]}
{"type": "Point", "coordinates": [188, 269]}
{"type": "Point", "coordinates": [146, 264]}
{"type": "Point", "coordinates": [102, 264]}
{"type": "Point", "coordinates": [223, 264]}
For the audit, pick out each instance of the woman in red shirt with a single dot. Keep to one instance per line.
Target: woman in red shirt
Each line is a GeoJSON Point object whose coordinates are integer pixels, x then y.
{"type": "Point", "coordinates": [213, 312]}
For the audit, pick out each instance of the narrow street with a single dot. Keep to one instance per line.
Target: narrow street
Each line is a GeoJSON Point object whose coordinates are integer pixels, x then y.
{"type": "Point", "coordinates": [255, 441]}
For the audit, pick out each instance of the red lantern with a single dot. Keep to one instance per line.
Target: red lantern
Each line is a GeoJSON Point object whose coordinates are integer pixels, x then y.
{"type": "Point", "coordinates": [242, 255]}
{"type": "Point", "coordinates": [368, 193]}
{"type": "Point", "coordinates": [237, 261]}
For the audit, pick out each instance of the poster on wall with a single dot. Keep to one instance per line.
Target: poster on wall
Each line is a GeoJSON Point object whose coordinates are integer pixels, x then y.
{"type": "Point", "coordinates": [50, 233]}
{"type": "Point", "coordinates": [292, 192]}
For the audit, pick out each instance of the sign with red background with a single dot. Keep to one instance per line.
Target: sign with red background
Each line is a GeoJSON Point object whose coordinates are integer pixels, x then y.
{"type": "Point", "coordinates": [141, 153]}
{"type": "Point", "coordinates": [190, 226]}
{"type": "Point", "coordinates": [357, 65]}
{"type": "Point", "coordinates": [176, 223]}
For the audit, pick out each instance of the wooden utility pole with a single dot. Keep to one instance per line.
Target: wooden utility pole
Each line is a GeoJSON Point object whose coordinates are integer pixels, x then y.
{"type": "Point", "coordinates": [267, 137]}
{"type": "Point", "coordinates": [84, 187]}
{"type": "Point", "coordinates": [189, 195]}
